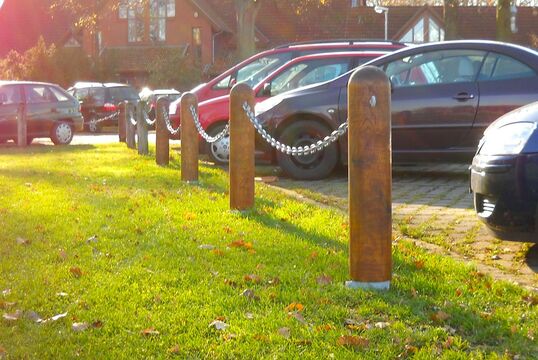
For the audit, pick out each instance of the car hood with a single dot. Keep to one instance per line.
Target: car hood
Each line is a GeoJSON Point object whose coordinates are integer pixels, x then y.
{"type": "Point", "coordinates": [527, 113]}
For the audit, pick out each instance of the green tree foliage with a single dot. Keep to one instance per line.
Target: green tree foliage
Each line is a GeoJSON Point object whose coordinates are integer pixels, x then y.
{"type": "Point", "coordinates": [46, 63]}
{"type": "Point", "coordinates": [172, 70]}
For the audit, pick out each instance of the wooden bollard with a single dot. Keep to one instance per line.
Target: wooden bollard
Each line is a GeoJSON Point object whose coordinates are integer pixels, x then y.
{"type": "Point", "coordinates": [162, 138]}
{"type": "Point", "coordinates": [122, 122]}
{"type": "Point", "coordinates": [189, 139]}
{"type": "Point", "coordinates": [142, 129]}
{"type": "Point", "coordinates": [370, 179]}
{"type": "Point", "coordinates": [130, 129]}
{"type": "Point", "coordinates": [22, 127]}
{"type": "Point", "coordinates": [241, 149]}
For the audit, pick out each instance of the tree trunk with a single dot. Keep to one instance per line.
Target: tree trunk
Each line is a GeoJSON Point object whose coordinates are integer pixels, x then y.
{"type": "Point", "coordinates": [504, 32]}
{"type": "Point", "coordinates": [246, 11]}
{"type": "Point", "coordinates": [450, 13]}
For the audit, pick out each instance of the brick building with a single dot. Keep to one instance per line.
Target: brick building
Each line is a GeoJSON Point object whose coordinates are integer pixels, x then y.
{"type": "Point", "coordinates": [203, 30]}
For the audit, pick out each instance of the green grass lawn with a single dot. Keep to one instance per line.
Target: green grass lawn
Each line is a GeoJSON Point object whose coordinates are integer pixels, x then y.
{"type": "Point", "coordinates": [143, 265]}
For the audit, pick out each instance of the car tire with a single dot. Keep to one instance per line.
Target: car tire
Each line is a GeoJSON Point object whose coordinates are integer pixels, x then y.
{"type": "Point", "coordinates": [61, 133]}
{"type": "Point", "coordinates": [219, 151]}
{"type": "Point", "coordinates": [308, 167]}
{"type": "Point", "coordinates": [93, 126]}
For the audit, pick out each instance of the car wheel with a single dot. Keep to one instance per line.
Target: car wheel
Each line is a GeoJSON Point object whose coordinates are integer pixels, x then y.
{"type": "Point", "coordinates": [93, 126]}
{"type": "Point", "coordinates": [219, 151]}
{"type": "Point", "coordinates": [61, 133]}
{"type": "Point", "coordinates": [307, 167]}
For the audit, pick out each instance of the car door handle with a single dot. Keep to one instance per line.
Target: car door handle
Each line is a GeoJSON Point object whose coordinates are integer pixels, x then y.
{"type": "Point", "coordinates": [463, 96]}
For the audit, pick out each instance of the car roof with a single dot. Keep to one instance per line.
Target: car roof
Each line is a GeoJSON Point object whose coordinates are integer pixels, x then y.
{"type": "Point", "coordinates": [339, 54]}
{"type": "Point", "coordinates": [84, 84]}
{"type": "Point", "coordinates": [341, 42]}
{"type": "Point", "coordinates": [166, 91]}
{"type": "Point", "coordinates": [17, 82]}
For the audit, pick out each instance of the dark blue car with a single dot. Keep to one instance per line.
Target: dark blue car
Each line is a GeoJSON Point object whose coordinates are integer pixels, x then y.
{"type": "Point", "coordinates": [504, 176]}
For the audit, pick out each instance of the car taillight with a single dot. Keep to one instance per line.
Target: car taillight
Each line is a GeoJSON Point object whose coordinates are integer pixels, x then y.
{"type": "Point", "coordinates": [108, 107]}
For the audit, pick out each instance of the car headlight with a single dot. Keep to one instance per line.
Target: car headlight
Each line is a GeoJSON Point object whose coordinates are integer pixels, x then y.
{"type": "Point", "coordinates": [506, 140]}
{"type": "Point", "coordinates": [267, 105]}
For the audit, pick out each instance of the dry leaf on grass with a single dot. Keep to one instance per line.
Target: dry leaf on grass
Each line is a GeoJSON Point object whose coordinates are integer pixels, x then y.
{"type": "Point", "coordinates": [3, 352]}
{"type": "Point", "coordinates": [273, 281]}
{"type": "Point", "coordinates": [298, 316]}
{"type": "Point", "coordinates": [284, 332]}
{"type": "Point", "coordinates": [4, 305]}
{"type": "Point", "coordinates": [253, 278]}
{"type": "Point", "coordinates": [12, 317]}
{"type": "Point", "coordinates": [294, 307]}
{"type": "Point", "coordinates": [230, 283]}
{"type": "Point", "coordinates": [218, 252]}
{"type": "Point", "coordinates": [439, 316]}
{"type": "Point", "coordinates": [150, 332]}
{"type": "Point", "coordinates": [79, 327]}
{"type": "Point", "coordinates": [23, 241]}
{"type": "Point", "coordinates": [324, 280]}
{"type": "Point", "coordinates": [97, 324]}
{"type": "Point", "coordinates": [353, 341]}
{"type": "Point", "coordinates": [249, 294]}
{"type": "Point", "coordinates": [174, 350]}
{"type": "Point", "coordinates": [75, 271]}
{"type": "Point", "coordinates": [381, 325]}
{"type": "Point", "coordinates": [531, 300]}
{"type": "Point", "coordinates": [419, 264]}
{"type": "Point", "coordinates": [219, 325]}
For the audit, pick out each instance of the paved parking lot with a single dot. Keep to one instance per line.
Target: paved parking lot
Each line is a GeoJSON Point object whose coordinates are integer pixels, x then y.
{"type": "Point", "coordinates": [431, 202]}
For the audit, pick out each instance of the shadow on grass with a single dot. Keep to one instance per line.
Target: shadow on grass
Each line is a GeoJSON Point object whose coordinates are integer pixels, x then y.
{"type": "Point", "coordinates": [13, 149]}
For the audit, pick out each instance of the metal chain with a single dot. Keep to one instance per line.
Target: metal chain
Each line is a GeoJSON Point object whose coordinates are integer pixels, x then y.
{"type": "Point", "coordinates": [166, 116]}
{"type": "Point", "coordinates": [132, 118]}
{"type": "Point", "coordinates": [106, 118]}
{"type": "Point", "coordinates": [148, 120]}
{"type": "Point", "coordinates": [203, 133]}
{"type": "Point", "coordinates": [292, 150]}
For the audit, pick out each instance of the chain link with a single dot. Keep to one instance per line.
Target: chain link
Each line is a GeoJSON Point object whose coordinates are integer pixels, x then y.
{"type": "Point", "coordinates": [210, 139]}
{"type": "Point", "coordinates": [292, 150]}
{"type": "Point", "coordinates": [148, 120]}
{"type": "Point", "coordinates": [132, 117]}
{"type": "Point", "coordinates": [106, 118]}
{"type": "Point", "coordinates": [168, 123]}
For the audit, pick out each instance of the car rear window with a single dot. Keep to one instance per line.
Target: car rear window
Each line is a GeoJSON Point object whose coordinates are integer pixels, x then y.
{"type": "Point", "coordinates": [118, 94]}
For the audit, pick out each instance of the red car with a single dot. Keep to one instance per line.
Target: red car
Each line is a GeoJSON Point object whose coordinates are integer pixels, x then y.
{"type": "Point", "coordinates": [299, 72]}
{"type": "Point", "coordinates": [257, 67]}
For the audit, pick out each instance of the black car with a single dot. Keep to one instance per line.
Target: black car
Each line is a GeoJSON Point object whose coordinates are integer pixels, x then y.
{"type": "Point", "coordinates": [49, 110]}
{"type": "Point", "coordinates": [504, 176]}
{"type": "Point", "coordinates": [101, 100]}
{"type": "Point", "coordinates": [443, 97]}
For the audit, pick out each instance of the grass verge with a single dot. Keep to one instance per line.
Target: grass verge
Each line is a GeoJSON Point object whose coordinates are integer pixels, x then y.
{"type": "Point", "coordinates": [144, 266]}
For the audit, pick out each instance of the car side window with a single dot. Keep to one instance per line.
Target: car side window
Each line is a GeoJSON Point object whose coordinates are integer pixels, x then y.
{"type": "Point", "coordinates": [10, 95]}
{"type": "Point", "coordinates": [502, 67]}
{"type": "Point", "coordinates": [60, 96]}
{"type": "Point", "coordinates": [436, 67]}
{"type": "Point", "coordinates": [223, 84]}
{"type": "Point", "coordinates": [38, 94]}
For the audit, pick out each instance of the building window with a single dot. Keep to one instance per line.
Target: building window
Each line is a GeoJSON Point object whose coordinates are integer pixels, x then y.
{"type": "Point", "coordinates": [354, 3]}
{"type": "Point", "coordinates": [197, 43]}
{"type": "Point", "coordinates": [425, 29]}
{"type": "Point", "coordinates": [152, 13]}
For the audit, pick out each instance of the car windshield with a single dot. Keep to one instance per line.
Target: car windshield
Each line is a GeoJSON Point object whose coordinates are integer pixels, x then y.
{"type": "Point", "coordinates": [122, 93]}
{"type": "Point", "coordinates": [260, 68]}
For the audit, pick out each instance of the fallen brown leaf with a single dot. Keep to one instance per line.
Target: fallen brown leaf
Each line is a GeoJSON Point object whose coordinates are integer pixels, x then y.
{"type": "Point", "coordinates": [149, 332]}
{"type": "Point", "coordinates": [353, 341]}
{"type": "Point", "coordinates": [174, 350]}
{"type": "Point", "coordinates": [218, 252]}
{"type": "Point", "coordinates": [439, 316]}
{"type": "Point", "coordinates": [448, 343]}
{"type": "Point", "coordinates": [531, 300]}
{"type": "Point", "coordinates": [274, 281]}
{"type": "Point", "coordinates": [295, 306]}
{"type": "Point", "coordinates": [313, 255]}
{"type": "Point", "coordinates": [3, 352]}
{"type": "Point", "coordinates": [419, 264]}
{"type": "Point", "coordinates": [298, 316]}
{"type": "Point", "coordinates": [62, 254]}
{"type": "Point", "coordinates": [4, 305]}
{"type": "Point", "coordinates": [253, 278]}
{"type": "Point", "coordinates": [97, 324]}
{"type": "Point", "coordinates": [230, 283]}
{"type": "Point", "coordinates": [75, 271]}
{"type": "Point", "coordinates": [227, 230]}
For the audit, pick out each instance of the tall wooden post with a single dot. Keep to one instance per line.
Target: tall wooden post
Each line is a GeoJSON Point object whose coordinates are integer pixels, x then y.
{"type": "Point", "coordinates": [241, 149]}
{"type": "Point", "coordinates": [142, 129]}
{"type": "Point", "coordinates": [189, 139]}
{"type": "Point", "coordinates": [22, 126]}
{"type": "Point", "coordinates": [162, 138]}
{"type": "Point", "coordinates": [130, 129]}
{"type": "Point", "coordinates": [370, 179]}
{"type": "Point", "coordinates": [122, 122]}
